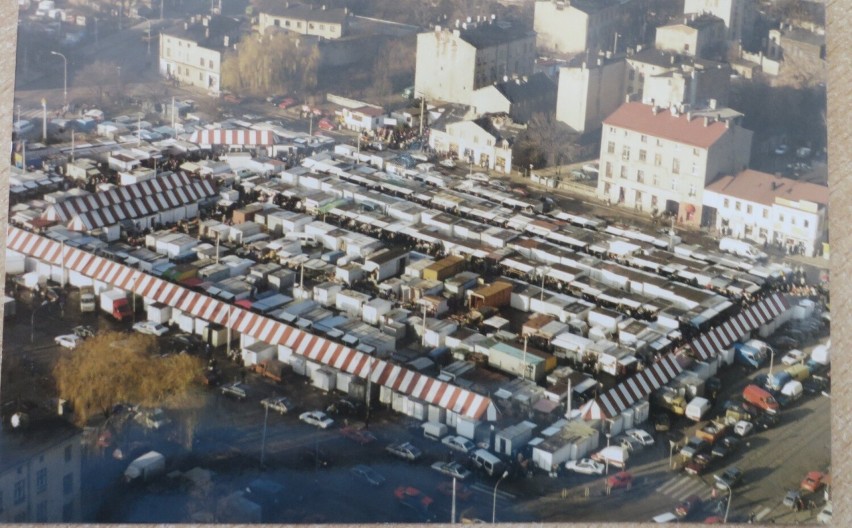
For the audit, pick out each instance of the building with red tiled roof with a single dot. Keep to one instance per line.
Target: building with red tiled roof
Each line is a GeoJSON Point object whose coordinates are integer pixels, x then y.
{"type": "Point", "coordinates": [765, 208]}
{"type": "Point", "coordinates": [656, 159]}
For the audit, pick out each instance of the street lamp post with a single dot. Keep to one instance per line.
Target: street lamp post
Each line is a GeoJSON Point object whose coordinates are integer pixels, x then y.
{"type": "Point", "coordinates": [32, 320]}
{"type": "Point", "coordinates": [64, 77]}
{"type": "Point", "coordinates": [494, 506]}
{"type": "Point", "coordinates": [671, 452]}
{"type": "Point", "coordinates": [146, 19]}
{"type": "Point", "coordinates": [730, 496]}
{"type": "Point", "coordinates": [771, 360]}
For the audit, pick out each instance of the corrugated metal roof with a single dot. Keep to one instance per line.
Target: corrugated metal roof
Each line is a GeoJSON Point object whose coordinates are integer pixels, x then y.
{"type": "Point", "coordinates": [461, 401]}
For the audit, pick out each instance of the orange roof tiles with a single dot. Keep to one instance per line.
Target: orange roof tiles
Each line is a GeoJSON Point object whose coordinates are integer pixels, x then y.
{"type": "Point", "coordinates": [640, 118]}
{"type": "Point", "coordinates": [761, 187]}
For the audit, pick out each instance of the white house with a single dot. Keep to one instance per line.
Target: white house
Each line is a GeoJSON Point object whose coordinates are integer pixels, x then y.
{"type": "Point", "coordinates": [765, 208]}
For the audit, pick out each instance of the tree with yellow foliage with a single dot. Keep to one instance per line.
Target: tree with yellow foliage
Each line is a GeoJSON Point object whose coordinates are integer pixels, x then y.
{"type": "Point", "coordinates": [116, 367]}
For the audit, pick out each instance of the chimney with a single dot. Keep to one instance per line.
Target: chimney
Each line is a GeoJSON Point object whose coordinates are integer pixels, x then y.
{"type": "Point", "coordinates": [464, 25]}
{"type": "Point", "coordinates": [727, 123]}
{"type": "Point", "coordinates": [672, 59]}
{"type": "Point", "coordinates": [655, 109]}
{"type": "Point", "coordinates": [689, 116]}
{"type": "Point", "coordinates": [525, 78]}
{"type": "Point", "coordinates": [225, 43]}
{"type": "Point", "coordinates": [673, 110]}
{"type": "Point", "coordinates": [706, 121]}
{"type": "Point", "coordinates": [469, 20]}
{"type": "Point", "coordinates": [345, 10]}
{"type": "Point", "coordinates": [493, 17]}
{"type": "Point", "coordinates": [323, 8]}
{"type": "Point", "coordinates": [712, 104]}
{"type": "Point", "coordinates": [207, 32]}
{"type": "Point", "coordinates": [505, 78]}
{"type": "Point", "coordinates": [437, 29]}
{"type": "Point", "coordinates": [608, 54]}
{"type": "Point", "coordinates": [456, 33]}
{"type": "Point", "coordinates": [185, 25]}
{"type": "Point", "coordinates": [458, 22]}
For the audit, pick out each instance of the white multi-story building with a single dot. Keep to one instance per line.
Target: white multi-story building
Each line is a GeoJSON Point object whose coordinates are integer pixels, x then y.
{"type": "Point", "coordinates": [453, 63]}
{"type": "Point", "coordinates": [738, 15]}
{"type": "Point", "coordinates": [40, 472]}
{"type": "Point", "coordinates": [306, 20]}
{"type": "Point", "coordinates": [590, 91]}
{"type": "Point", "coordinates": [192, 52]}
{"type": "Point", "coordinates": [664, 79]}
{"type": "Point", "coordinates": [657, 159]}
{"type": "Point", "coordinates": [697, 36]}
{"type": "Point", "coordinates": [573, 26]}
{"type": "Point", "coordinates": [487, 141]}
{"type": "Point", "coordinates": [766, 208]}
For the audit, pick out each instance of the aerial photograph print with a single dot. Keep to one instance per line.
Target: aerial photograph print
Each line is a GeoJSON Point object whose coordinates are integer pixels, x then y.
{"type": "Point", "coordinates": [416, 261]}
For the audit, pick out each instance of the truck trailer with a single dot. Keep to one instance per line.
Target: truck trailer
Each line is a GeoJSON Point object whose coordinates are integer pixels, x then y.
{"type": "Point", "coordinates": [115, 303]}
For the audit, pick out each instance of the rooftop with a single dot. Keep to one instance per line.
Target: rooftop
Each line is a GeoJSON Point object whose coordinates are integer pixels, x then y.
{"type": "Point", "coordinates": [19, 446]}
{"type": "Point", "coordinates": [491, 33]}
{"type": "Point", "coordinates": [526, 88]}
{"type": "Point", "coordinates": [761, 187]}
{"type": "Point", "coordinates": [307, 12]}
{"type": "Point", "coordinates": [208, 32]}
{"type": "Point", "coordinates": [663, 124]}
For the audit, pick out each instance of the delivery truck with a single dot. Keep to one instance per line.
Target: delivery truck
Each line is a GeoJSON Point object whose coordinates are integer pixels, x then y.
{"type": "Point", "coordinates": [148, 466]}
{"type": "Point", "coordinates": [749, 355]}
{"type": "Point", "coordinates": [697, 408]}
{"type": "Point", "coordinates": [740, 248]}
{"type": "Point", "coordinates": [115, 303]}
{"type": "Point", "coordinates": [613, 455]}
{"type": "Point", "coordinates": [760, 398]}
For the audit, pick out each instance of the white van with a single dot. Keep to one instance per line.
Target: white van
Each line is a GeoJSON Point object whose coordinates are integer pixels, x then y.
{"type": "Point", "coordinates": [434, 430]}
{"type": "Point", "coordinates": [666, 518]}
{"type": "Point", "coordinates": [484, 460]}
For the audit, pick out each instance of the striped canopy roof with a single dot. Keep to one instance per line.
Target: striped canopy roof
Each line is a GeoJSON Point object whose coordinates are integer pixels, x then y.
{"type": "Point", "coordinates": [237, 137]}
{"type": "Point", "coordinates": [65, 210]}
{"type": "Point", "coordinates": [706, 346]}
{"type": "Point", "coordinates": [146, 206]}
{"type": "Point", "coordinates": [315, 348]}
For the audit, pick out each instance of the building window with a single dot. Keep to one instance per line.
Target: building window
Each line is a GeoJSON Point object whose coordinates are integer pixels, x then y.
{"type": "Point", "coordinates": [658, 160]}
{"type": "Point", "coordinates": [766, 213]}
{"type": "Point", "coordinates": [68, 484]}
{"type": "Point", "coordinates": [643, 138]}
{"type": "Point", "coordinates": [642, 154]}
{"type": "Point", "coordinates": [322, 27]}
{"type": "Point", "coordinates": [623, 171]}
{"type": "Point", "coordinates": [210, 64]}
{"type": "Point", "coordinates": [298, 24]}
{"type": "Point", "coordinates": [806, 223]}
{"type": "Point", "coordinates": [659, 142]}
{"type": "Point", "coordinates": [654, 200]}
{"type": "Point", "coordinates": [41, 512]}
{"type": "Point", "coordinates": [68, 512]}
{"type": "Point", "coordinates": [674, 184]}
{"type": "Point", "coordinates": [41, 480]}
{"type": "Point", "coordinates": [675, 166]}
{"type": "Point", "coordinates": [606, 189]}
{"type": "Point", "coordinates": [200, 76]}
{"type": "Point", "coordinates": [726, 204]}
{"type": "Point", "coordinates": [695, 152]}
{"type": "Point", "coordinates": [311, 26]}
{"type": "Point", "coordinates": [631, 74]}
{"type": "Point", "coordinates": [737, 205]}
{"type": "Point", "coordinates": [654, 180]}
{"type": "Point", "coordinates": [748, 209]}
{"type": "Point", "coordinates": [640, 176]}
{"type": "Point", "coordinates": [286, 23]}
{"type": "Point", "coordinates": [201, 62]}
{"type": "Point", "coordinates": [608, 171]}
{"type": "Point", "coordinates": [20, 492]}
{"type": "Point", "coordinates": [610, 147]}
{"type": "Point", "coordinates": [625, 154]}
{"type": "Point", "coordinates": [781, 218]}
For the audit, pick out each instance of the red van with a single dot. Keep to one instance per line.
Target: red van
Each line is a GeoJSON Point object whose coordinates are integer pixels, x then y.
{"type": "Point", "coordinates": [760, 398]}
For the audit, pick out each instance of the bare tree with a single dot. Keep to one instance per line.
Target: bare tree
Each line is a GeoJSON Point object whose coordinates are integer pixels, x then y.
{"type": "Point", "coordinates": [98, 75]}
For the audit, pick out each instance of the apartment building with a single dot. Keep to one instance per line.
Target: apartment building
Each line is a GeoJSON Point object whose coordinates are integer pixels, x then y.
{"type": "Point", "coordinates": [486, 140]}
{"type": "Point", "coordinates": [654, 159]}
{"type": "Point", "coordinates": [574, 26]}
{"type": "Point", "coordinates": [697, 36]}
{"type": "Point", "coordinates": [765, 208]}
{"type": "Point", "coordinates": [192, 52]}
{"type": "Point", "coordinates": [40, 472]}
{"type": "Point", "coordinates": [453, 63]}
{"type": "Point", "coordinates": [590, 90]}
{"type": "Point", "coordinates": [665, 78]}
{"type": "Point", "coordinates": [306, 20]}
{"type": "Point", "coordinates": [738, 16]}
{"type": "Point", "coordinates": [520, 97]}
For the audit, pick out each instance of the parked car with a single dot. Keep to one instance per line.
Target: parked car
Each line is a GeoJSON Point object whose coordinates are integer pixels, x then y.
{"type": "Point", "coordinates": [458, 443]}
{"type": "Point", "coordinates": [791, 498]}
{"type": "Point", "coordinates": [150, 327]}
{"type": "Point", "coordinates": [622, 479]}
{"type": "Point", "coordinates": [689, 506]}
{"type": "Point", "coordinates": [326, 124]}
{"type": "Point", "coordinates": [83, 331]}
{"type": "Point", "coordinates": [316, 418]}
{"type": "Point", "coordinates": [448, 163]}
{"type": "Point", "coordinates": [462, 492]}
{"type": "Point", "coordinates": [343, 407]}
{"type": "Point", "coordinates": [815, 385]}
{"type": "Point", "coordinates": [279, 404]}
{"type": "Point", "coordinates": [694, 447]}
{"type": "Point", "coordinates": [361, 436]}
{"type": "Point", "coordinates": [662, 422]}
{"type": "Point", "coordinates": [405, 450]}
{"type": "Point", "coordinates": [728, 478]}
{"type": "Point", "coordinates": [68, 340]}
{"type": "Point", "coordinates": [368, 475]}
{"type": "Point", "coordinates": [698, 464]}
{"type": "Point", "coordinates": [627, 443]}
{"type": "Point", "coordinates": [824, 516]}
{"type": "Point", "coordinates": [585, 466]}
{"type": "Point", "coordinates": [641, 436]}
{"type": "Point", "coordinates": [413, 498]}
{"type": "Point", "coordinates": [812, 482]}
{"type": "Point", "coordinates": [766, 421]}
{"type": "Point", "coordinates": [793, 357]}
{"type": "Point", "coordinates": [451, 469]}
{"type": "Point", "coordinates": [743, 428]}
{"type": "Point", "coordinates": [235, 390]}
{"type": "Point", "coordinates": [725, 446]}
{"type": "Point", "coordinates": [781, 150]}
{"type": "Point", "coordinates": [286, 103]}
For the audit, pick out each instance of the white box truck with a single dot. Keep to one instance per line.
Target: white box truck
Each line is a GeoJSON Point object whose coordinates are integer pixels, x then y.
{"type": "Point", "coordinates": [148, 466]}
{"type": "Point", "coordinates": [697, 408]}
{"type": "Point", "coordinates": [434, 430]}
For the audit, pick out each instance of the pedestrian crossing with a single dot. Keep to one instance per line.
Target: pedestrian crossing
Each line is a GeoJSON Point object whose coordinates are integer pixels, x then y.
{"type": "Point", "coordinates": [682, 486]}
{"type": "Point", "coordinates": [762, 513]}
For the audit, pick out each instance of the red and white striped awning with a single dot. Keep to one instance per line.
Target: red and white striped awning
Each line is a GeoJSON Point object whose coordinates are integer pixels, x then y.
{"type": "Point", "coordinates": [315, 348]}
{"type": "Point", "coordinates": [634, 389]}
{"type": "Point", "coordinates": [723, 336]}
{"type": "Point", "coordinates": [64, 211]}
{"type": "Point", "coordinates": [233, 137]}
{"type": "Point", "coordinates": [145, 206]}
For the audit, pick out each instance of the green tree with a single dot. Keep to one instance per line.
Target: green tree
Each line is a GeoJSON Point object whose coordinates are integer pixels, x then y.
{"type": "Point", "coordinates": [115, 367]}
{"type": "Point", "coordinates": [275, 61]}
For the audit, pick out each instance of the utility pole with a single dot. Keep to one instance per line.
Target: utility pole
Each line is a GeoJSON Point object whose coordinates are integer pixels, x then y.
{"type": "Point", "coordinates": [72, 144]}
{"type": "Point", "coordinates": [44, 119]}
{"type": "Point", "coordinates": [568, 401]}
{"type": "Point", "coordinates": [524, 368]}
{"type": "Point", "coordinates": [174, 126]}
{"type": "Point", "coordinates": [422, 105]}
